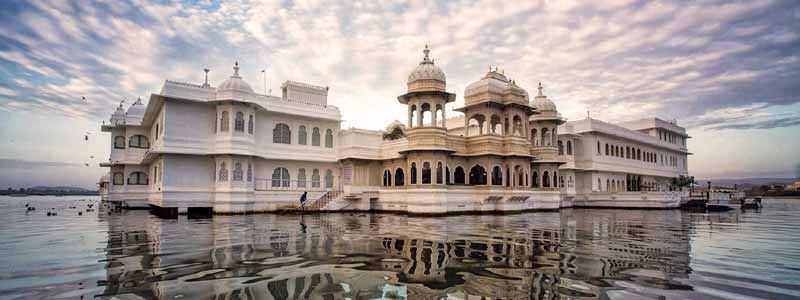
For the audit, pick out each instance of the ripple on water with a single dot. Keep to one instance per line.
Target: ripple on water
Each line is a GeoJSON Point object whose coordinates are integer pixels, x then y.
{"type": "Point", "coordinates": [574, 253]}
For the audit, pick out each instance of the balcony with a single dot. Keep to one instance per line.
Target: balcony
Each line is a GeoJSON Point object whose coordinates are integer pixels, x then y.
{"type": "Point", "coordinates": [127, 155]}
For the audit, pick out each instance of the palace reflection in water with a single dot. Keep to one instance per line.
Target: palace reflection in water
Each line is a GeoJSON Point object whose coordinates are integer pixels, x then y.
{"type": "Point", "coordinates": [569, 254]}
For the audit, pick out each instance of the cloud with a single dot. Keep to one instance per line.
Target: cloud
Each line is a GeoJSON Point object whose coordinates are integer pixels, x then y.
{"type": "Point", "coordinates": [620, 60]}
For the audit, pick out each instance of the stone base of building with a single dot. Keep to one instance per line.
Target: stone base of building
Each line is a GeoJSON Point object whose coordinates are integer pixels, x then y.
{"type": "Point", "coordinates": [639, 200]}
{"type": "Point", "coordinates": [419, 201]}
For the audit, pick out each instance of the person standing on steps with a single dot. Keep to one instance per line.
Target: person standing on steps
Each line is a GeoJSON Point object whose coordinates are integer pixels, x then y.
{"type": "Point", "coordinates": [303, 200]}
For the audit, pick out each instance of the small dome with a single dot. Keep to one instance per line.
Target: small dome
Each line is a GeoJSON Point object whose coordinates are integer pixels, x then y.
{"type": "Point", "coordinates": [541, 103]}
{"type": "Point", "coordinates": [426, 70]}
{"type": "Point", "coordinates": [137, 109]}
{"type": "Point", "coordinates": [235, 83]}
{"type": "Point", "coordinates": [493, 82]}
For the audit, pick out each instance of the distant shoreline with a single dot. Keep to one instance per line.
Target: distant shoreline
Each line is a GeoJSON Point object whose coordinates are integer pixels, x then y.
{"type": "Point", "coordinates": [87, 193]}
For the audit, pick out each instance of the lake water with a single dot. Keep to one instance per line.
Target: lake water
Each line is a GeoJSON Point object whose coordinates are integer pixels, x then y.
{"type": "Point", "coordinates": [571, 254]}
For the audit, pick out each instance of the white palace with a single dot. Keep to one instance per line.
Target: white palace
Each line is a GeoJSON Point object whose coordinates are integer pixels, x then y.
{"type": "Point", "coordinates": [230, 150]}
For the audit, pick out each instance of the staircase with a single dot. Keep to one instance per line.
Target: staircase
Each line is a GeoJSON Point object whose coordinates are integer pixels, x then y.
{"type": "Point", "coordinates": [320, 203]}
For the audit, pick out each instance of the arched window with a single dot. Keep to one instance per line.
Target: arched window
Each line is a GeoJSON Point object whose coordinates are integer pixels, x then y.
{"type": "Point", "coordinates": [545, 137]}
{"type": "Point", "coordinates": [223, 172]}
{"type": "Point", "coordinates": [399, 177]}
{"type": "Point", "coordinates": [598, 148]}
{"type": "Point", "coordinates": [137, 178]}
{"type": "Point", "coordinates": [157, 132]}
{"type": "Point", "coordinates": [238, 122]}
{"type": "Point", "coordinates": [281, 134]}
{"type": "Point", "coordinates": [412, 118]}
{"type": "Point", "coordinates": [249, 172]}
{"type": "Point", "coordinates": [138, 141]}
{"type": "Point", "coordinates": [608, 186]}
{"type": "Point", "coordinates": [328, 178]}
{"type": "Point", "coordinates": [560, 148]}
{"type": "Point", "coordinates": [302, 136]}
{"type": "Point", "coordinates": [497, 176]}
{"type": "Point", "coordinates": [119, 142]}
{"type": "Point", "coordinates": [545, 179]}
{"type": "Point", "coordinates": [439, 173]}
{"type": "Point", "coordinates": [301, 177]}
{"type": "Point", "coordinates": [413, 173]}
{"type": "Point", "coordinates": [569, 147]}
{"type": "Point", "coordinates": [606, 149]}
{"type": "Point", "coordinates": [627, 152]}
{"type": "Point", "coordinates": [280, 177]}
{"type": "Point", "coordinates": [477, 175]}
{"type": "Point", "coordinates": [426, 173]}
{"type": "Point", "coordinates": [387, 178]}
{"type": "Point", "coordinates": [119, 179]}
{"type": "Point", "coordinates": [250, 124]}
{"type": "Point", "coordinates": [447, 176]}
{"type": "Point", "coordinates": [315, 178]}
{"type": "Point", "coordinates": [508, 176]}
{"type": "Point", "coordinates": [224, 121]}
{"type": "Point", "coordinates": [534, 138]}
{"type": "Point", "coordinates": [638, 154]}
{"type": "Point", "coordinates": [535, 179]}
{"type": "Point", "coordinates": [555, 179]}
{"type": "Point", "coordinates": [459, 176]}
{"type": "Point", "coordinates": [328, 138]}
{"type": "Point", "coordinates": [315, 137]}
{"type": "Point", "coordinates": [238, 173]}
{"type": "Point", "coordinates": [520, 176]}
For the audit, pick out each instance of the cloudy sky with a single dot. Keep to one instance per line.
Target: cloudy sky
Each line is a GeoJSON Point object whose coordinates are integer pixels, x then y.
{"type": "Point", "coordinates": [728, 71]}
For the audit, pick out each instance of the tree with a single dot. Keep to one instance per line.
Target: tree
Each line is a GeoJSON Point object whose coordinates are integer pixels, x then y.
{"type": "Point", "coordinates": [395, 130]}
{"type": "Point", "coordinates": [683, 181]}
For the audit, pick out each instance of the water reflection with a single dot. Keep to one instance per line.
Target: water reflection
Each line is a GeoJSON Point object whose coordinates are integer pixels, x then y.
{"type": "Point", "coordinates": [570, 254]}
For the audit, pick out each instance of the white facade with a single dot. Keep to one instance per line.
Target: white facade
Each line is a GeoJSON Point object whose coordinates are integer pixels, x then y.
{"type": "Point", "coordinates": [623, 165]}
{"type": "Point", "coordinates": [232, 150]}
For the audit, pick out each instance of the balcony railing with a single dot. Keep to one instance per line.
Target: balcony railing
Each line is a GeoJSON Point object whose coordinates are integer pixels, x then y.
{"type": "Point", "coordinates": [294, 185]}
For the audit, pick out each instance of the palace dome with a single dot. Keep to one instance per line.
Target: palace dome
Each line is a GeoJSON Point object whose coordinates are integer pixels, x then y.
{"type": "Point", "coordinates": [235, 83]}
{"type": "Point", "coordinates": [493, 82]}
{"type": "Point", "coordinates": [426, 76]}
{"type": "Point", "coordinates": [137, 109]}
{"type": "Point", "coordinates": [542, 103]}
{"type": "Point", "coordinates": [513, 89]}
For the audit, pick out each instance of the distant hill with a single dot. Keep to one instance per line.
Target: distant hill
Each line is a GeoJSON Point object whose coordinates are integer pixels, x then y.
{"type": "Point", "coordinates": [747, 181]}
{"type": "Point", "coordinates": [57, 188]}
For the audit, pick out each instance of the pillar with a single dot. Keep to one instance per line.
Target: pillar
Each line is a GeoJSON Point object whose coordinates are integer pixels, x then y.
{"type": "Point", "coordinates": [410, 117]}
{"type": "Point", "coordinates": [466, 125]}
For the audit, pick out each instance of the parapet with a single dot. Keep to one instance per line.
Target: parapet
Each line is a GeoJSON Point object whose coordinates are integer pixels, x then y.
{"type": "Point", "coordinates": [304, 92]}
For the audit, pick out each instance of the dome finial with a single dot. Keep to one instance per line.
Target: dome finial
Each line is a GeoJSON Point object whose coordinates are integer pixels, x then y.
{"type": "Point", "coordinates": [236, 69]}
{"type": "Point", "coordinates": [427, 53]}
{"type": "Point", "coordinates": [540, 89]}
{"type": "Point", "coordinates": [205, 84]}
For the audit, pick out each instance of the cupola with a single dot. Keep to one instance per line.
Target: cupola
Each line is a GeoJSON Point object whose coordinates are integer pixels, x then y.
{"type": "Point", "coordinates": [542, 103]}
{"type": "Point", "coordinates": [235, 83]}
{"type": "Point", "coordinates": [426, 76]}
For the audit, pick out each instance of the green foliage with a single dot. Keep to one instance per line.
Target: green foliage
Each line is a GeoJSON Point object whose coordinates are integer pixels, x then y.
{"type": "Point", "coordinates": [683, 181]}
{"type": "Point", "coordinates": [394, 133]}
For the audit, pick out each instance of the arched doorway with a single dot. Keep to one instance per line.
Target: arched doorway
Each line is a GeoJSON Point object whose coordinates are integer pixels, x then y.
{"type": "Point", "coordinates": [497, 176]}
{"type": "Point", "coordinates": [477, 175]}
{"type": "Point", "coordinates": [459, 176]}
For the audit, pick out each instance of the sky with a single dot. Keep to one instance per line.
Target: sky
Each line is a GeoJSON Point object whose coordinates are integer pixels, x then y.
{"type": "Point", "coordinates": [727, 71]}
